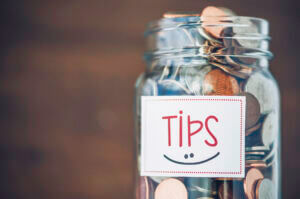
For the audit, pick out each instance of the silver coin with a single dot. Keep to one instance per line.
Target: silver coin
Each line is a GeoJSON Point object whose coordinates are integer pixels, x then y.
{"type": "Point", "coordinates": [264, 90]}
{"type": "Point", "coordinates": [201, 190]}
{"type": "Point", "coordinates": [204, 186]}
{"type": "Point", "coordinates": [270, 157]}
{"type": "Point", "coordinates": [271, 160]}
{"type": "Point", "coordinates": [243, 28]}
{"type": "Point", "coordinates": [270, 129]}
{"type": "Point", "coordinates": [258, 148]}
{"type": "Point", "coordinates": [265, 189]}
{"type": "Point", "coordinates": [255, 155]}
{"type": "Point", "coordinates": [194, 76]}
{"type": "Point", "coordinates": [227, 11]}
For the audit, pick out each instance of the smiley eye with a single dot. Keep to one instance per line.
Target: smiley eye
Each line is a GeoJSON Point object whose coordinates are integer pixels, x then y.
{"type": "Point", "coordinates": [186, 156]}
{"type": "Point", "coordinates": [191, 155]}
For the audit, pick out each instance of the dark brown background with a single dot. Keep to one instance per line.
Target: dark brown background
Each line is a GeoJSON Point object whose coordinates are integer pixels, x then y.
{"type": "Point", "coordinates": [67, 70]}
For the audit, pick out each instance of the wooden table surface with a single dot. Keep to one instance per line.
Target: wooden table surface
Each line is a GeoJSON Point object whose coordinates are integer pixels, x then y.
{"type": "Point", "coordinates": [66, 92]}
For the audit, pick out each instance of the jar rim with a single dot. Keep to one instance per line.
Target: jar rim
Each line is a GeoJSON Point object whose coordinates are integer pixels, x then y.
{"type": "Point", "coordinates": [173, 22]}
{"type": "Point", "coordinates": [190, 35]}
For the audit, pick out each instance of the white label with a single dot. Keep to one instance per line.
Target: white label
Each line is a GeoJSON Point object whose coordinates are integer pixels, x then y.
{"type": "Point", "coordinates": [193, 136]}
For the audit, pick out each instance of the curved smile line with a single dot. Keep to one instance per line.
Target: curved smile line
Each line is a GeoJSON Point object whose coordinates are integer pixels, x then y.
{"type": "Point", "coordinates": [192, 163]}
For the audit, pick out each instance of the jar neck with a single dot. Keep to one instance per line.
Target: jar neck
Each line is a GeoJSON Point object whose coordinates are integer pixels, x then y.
{"type": "Point", "coordinates": [192, 39]}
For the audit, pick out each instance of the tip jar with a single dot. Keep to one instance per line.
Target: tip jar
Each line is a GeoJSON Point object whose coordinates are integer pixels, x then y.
{"type": "Point", "coordinates": [207, 109]}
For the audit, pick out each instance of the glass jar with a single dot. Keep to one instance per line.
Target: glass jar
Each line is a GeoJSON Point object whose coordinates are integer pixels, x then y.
{"type": "Point", "coordinates": [207, 88]}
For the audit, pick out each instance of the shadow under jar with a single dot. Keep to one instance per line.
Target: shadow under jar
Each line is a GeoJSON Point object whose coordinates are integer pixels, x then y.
{"type": "Point", "coordinates": [197, 68]}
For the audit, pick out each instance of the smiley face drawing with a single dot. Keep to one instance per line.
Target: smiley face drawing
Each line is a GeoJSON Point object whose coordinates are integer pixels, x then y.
{"type": "Point", "coordinates": [186, 156]}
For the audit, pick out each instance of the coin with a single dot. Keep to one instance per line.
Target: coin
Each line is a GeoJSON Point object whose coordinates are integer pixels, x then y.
{"type": "Point", "coordinates": [264, 89]}
{"type": "Point", "coordinates": [171, 188]}
{"type": "Point", "coordinates": [217, 82]}
{"type": "Point", "coordinates": [243, 60]}
{"type": "Point", "coordinates": [254, 156]}
{"type": "Point", "coordinates": [218, 59]}
{"type": "Point", "coordinates": [256, 164]}
{"type": "Point", "coordinates": [230, 70]}
{"type": "Point", "coordinates": [265, 189]}
{"type": "Point", "coordinates": [270, 129]}
{"type": "Point", "coordinates": [250, 130]}
{"type": "Point", "coordinates": [271, 160]}
{"type": "Point", "coordinates": [194, 76]}
{"type": "Point", "coordinates": [237, 62]}
{"type": "Point", "coordinates": [252, 110]}
{"type": "Point", "coordinates": [211, 20]}
{"type": "Point", "coordinates": [255, 153]}
{"type": "Point", "coordinates": [243, 27]}
{"type": "Point", "coordinates": [250, 180]}
{"type": "Point", "coordinates": [204, 186]}
{"type": "Point", "coordinates": [258, 148]}
{"type": "Point", "coordinates": [225, 191]}
{"type": "Point", "coordinates": [145, 189]}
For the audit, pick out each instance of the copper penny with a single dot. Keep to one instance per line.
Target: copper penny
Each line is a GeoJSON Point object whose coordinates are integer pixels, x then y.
{"type": "Point", "coordinates": [171, 188]}
{"type": "Point", "coordinates": [252, 110]}
{"type": "Point", "coordinates": [250, 181]}
{"type": "Point", "coordinates": [217, 82]}
{"type": "Point", "coordinates": [211, 20]}
{"type": "Point", "coordinates": [145, 189]}
{"type": "Point", "coordinates": [255, 164]}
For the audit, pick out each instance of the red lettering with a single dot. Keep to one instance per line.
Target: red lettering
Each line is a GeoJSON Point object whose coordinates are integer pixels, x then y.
{"type": "Point", "coordinates": [180, 129]}
{"type": "Point", "coordinates": [190, 134]}
{"type": "Point", "coordinates": [210, 133]}
{"type": "Point", "coordinates": [169, 127]}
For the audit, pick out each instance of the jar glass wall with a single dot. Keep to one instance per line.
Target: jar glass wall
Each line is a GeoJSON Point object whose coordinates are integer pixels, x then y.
{"type": "Point", "coordinates": [220, 56]}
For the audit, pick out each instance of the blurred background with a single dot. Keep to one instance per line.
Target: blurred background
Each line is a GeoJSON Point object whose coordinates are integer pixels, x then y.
{"type": "Point", "coordinates": [67, 72]}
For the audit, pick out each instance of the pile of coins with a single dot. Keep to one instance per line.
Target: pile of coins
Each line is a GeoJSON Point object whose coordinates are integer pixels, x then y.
{"type": "Point", "coordinates": [225, 73]}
